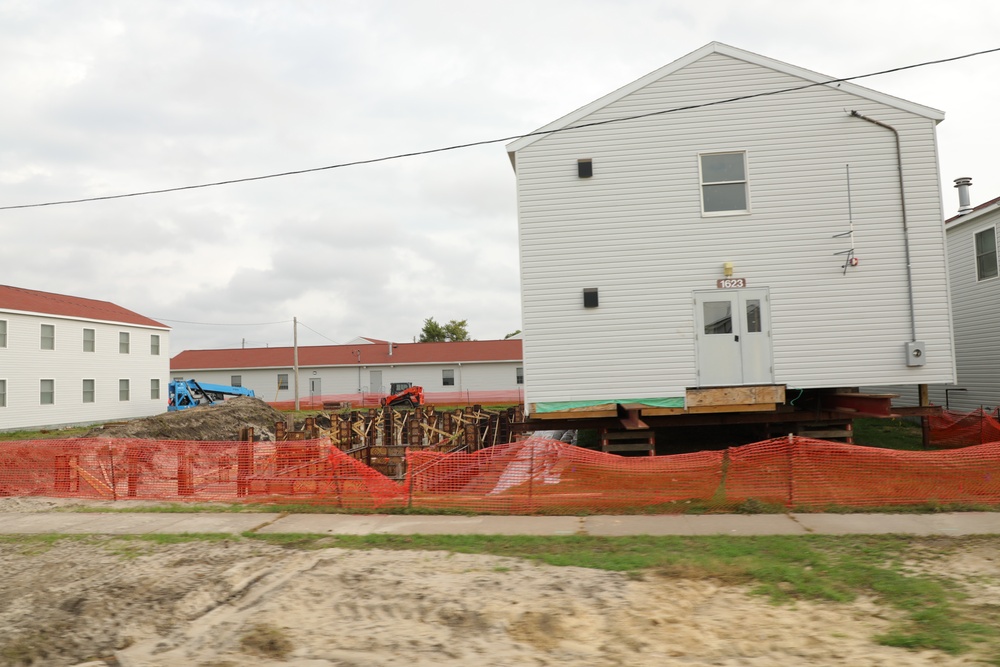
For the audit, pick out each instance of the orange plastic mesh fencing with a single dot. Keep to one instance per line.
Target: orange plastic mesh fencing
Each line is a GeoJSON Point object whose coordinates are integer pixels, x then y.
{"type": "Point", "coordinates": [534, 475]}
{"type": "Point", "coordinates": [950, 430]}
{"type": "Point", "coordinates": [539, 474]}
{"type": "Point", "coordinates": [815, 473]}
{"type": "Point", "coordinates": [121, 469]}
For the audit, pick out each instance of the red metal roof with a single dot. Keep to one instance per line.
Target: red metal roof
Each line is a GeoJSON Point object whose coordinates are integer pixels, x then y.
{"type": "Point", "coordinates": [348, 355]}
{"type": "Point", "coordinates": [46, 303]}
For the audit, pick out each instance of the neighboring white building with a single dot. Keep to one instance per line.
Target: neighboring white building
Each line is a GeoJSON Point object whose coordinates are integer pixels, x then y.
{"type": "Point", "coordinates": [693, 229]}
{"type": "Point", "coordinates": [69, 360]}
{"type": "Point", "coordinates": [367, 366]}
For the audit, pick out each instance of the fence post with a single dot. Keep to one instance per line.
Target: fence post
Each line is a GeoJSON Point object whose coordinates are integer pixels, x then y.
{"type": "Point", "coordinates": [185, 472]}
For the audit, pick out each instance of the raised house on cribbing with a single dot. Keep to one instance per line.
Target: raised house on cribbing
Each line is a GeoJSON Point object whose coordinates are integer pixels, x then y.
{"type": "Point", "coordinates": [975, 297]}
{"type": "Point", "coordinates": [731, 233]}
{"type": "Point", "coordinates": [72, 360]}
{"type": "Point", "coordinates": [486, 370]}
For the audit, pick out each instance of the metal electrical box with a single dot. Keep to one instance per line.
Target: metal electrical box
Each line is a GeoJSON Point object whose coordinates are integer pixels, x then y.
{"type": "Point", "coordinates": [916, 353]}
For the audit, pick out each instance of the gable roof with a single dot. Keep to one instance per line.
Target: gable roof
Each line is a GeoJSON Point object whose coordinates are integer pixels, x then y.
{"type": "Point", "coordinates": [20, 300]}
{"type": "Point", "coordinates": [733, 52]}
{"type": "Point", "coordinates": [348, 355]}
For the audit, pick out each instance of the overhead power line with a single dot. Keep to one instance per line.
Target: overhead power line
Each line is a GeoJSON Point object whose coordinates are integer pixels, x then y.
{"type": "Point", "coordinates": [223, 324]}
{"type": "Point", "coordinates": [485, 142]}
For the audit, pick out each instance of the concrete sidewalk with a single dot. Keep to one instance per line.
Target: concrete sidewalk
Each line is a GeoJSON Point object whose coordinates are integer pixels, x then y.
{"type": "Point", "coordinates": [953, 524]}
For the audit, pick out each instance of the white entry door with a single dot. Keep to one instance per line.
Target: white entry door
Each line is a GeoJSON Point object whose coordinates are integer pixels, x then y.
{"type": "Point", "coordinates": [733, 337]}
{"type": "Point", "coordinates": [315, 387]}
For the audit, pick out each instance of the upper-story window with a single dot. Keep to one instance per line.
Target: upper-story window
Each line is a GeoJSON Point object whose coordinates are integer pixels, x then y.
{"type": "Point", "coordinates": [89, 340]}
{"type": "Point", "coordinates": [3, 333]}
{"type": "Point", "coordinates": [123, 342]}
{"type": "Point", "coordinates": [48, 336]}
{"type": "Point", "coordinates": [519, 373]}
{"type": "Point", "coordinates": [724, 186]}
{"type": "Point", "coordinates": [986, 254]}
{"type": "Point", "coordinates": [154, 344]}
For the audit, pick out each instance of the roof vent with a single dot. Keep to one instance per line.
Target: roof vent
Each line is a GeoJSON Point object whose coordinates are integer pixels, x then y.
{"type": "Point", "coordinates": [963, 185]}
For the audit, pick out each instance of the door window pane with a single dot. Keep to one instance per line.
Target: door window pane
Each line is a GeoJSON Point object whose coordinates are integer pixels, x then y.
{"type": "Point", "coordinates": [718, 317]}
{"type": "Point", "coordinates": [753, 316]}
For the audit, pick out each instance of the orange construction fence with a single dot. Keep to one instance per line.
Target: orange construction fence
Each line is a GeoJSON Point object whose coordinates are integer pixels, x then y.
{"type": "Point", "coordinates": [534, 475]}
{"type": "Point", "coordinates": [951, 430]}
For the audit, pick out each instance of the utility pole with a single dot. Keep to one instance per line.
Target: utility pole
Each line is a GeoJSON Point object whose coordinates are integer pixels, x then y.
{"type": "Point", "coordinates": [295, 358]}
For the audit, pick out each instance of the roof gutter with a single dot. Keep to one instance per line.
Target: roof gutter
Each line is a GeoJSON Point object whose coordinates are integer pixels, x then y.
{"type": "Point", "coordinates": [906, 229]}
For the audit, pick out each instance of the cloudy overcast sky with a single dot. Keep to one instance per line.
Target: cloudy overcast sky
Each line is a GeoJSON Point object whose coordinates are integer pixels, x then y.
{"type": "Point", "coordinates": [102, 98]}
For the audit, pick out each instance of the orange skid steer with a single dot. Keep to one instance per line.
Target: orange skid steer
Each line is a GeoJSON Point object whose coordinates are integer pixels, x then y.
{"type": "Point", "coordinates": [404, 394]}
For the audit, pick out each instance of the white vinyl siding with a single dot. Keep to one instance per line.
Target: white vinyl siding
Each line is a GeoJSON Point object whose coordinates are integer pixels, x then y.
{"type": "Point", "coordinates": [88, 391]}
{"type": "Point", "coordinates": [637, 230]}
{"type": "Point", "coordinates": [48, 337]}
{"type": "Point", "coordinates": [89, 340]}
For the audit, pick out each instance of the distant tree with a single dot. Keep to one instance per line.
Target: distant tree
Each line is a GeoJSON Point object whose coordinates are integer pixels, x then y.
{"type": "Point", "coordinates": [455, 330]}
{"type": "Point", "coordinates": [512, 334]}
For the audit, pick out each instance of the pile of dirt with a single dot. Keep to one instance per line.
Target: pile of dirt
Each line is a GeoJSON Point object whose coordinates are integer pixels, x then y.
{"type": "Point", "coordinates": [219, 422]}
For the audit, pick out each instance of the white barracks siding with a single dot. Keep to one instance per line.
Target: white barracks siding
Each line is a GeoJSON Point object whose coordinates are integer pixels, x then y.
{"type": "Point", "coordinates": [70, 360]}
{"type": "Point", "coordinates": [636, 231]}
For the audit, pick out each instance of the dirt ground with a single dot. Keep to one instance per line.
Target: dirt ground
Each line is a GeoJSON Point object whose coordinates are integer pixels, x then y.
{"type": "Point", "coordinates": [238, 602]}
{"type": "Point", "coordinates": [219, 422]}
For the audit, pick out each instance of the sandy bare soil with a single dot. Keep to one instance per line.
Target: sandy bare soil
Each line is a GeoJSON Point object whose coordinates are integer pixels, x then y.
{"type": "Point", "coordinates": [237, 602]}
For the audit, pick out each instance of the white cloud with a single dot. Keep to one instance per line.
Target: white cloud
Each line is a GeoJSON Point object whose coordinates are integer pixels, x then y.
{"type": "Point", "coordinates": [117, 96]}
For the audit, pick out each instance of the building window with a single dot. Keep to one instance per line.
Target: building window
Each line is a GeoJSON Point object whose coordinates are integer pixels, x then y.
{"type": "Point", "coordinates": [282, 381]}
{"type": "Point", "coordinates": [236, 381]}
{"type": "Point", "coordinates": [986, 254]}
{"type": "Point", "coordinates": [724, 183]}
{"type": "Point", "coordinates": [3, 333]}
{"type": "Point", "coordinates": [47, 392]}
{"type": "Point", "coordinates": [89, 340]}
{"type": "Point", "coordinates": [123, 342]}
{"type": "Point", "coordinates": [88, 391]}
{"type": "Point", "coordinates": [48, 336]}
{"type": "Point", "coordinates": [154, 389]}
{"type": "Point", "coordinates": [123, 390]}
{"type": "Point", "coordinates": [3, 393]}
{"type": "Point", "coordinates": [154, 345]}
{"type": "Point", "coordinates": [448, 377]}
{"type": "Point", "coordinates": [520, 374]}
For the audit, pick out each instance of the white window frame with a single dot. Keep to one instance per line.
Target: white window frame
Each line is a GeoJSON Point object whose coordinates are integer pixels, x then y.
{"type": "Point", "coordinates": [235, 380]}
{"type": "Point", "coordinates": [3, 392]}
{"type": "Point", "coordinates": [124, 342]}
{"type": "Point", "coordinates": [124, 390]}
{"type": "Point", "coordinates": [42, 392]}
{"type": "Point", "coordinates": [92, 340]}
{"type": "Point", "coordinates": [154, 389]}
{"type": "Point", "coordinates": [745, 182]}
{"type": "Point", "coordinates": [519, 375]}
{"type": "Point", "coordinates": [93, 390]}
{"type": "Point", "coordinates": [445, 377]}
{"type": "Point", "coordinates": [154, 345]}
{"type": "Point", "coordinates": [43, 338]}
{"type": "Point", "coordinates": [282, 381]}
{"type": "Point", "coordinates": [3, 333]}
{"type": "Point", "coordinates": [976, 255]}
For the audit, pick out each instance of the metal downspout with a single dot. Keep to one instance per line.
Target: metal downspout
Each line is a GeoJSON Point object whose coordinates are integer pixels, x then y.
{"type": "Point", "coordinates": [906, 229]}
